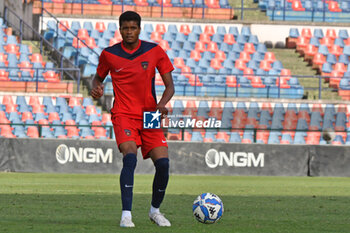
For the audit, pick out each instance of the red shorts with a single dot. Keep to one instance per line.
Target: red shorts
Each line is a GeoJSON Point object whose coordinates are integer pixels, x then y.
{"type": "Point", "coordinates": [128, 129]}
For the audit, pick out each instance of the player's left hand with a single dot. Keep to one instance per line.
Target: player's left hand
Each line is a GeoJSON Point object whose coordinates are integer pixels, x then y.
{"type": "Point", "coordinates": [163, 110]}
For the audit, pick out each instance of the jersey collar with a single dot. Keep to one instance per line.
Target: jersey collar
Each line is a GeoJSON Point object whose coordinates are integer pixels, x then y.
{"type": "Point", "coordinates": [131, 51]}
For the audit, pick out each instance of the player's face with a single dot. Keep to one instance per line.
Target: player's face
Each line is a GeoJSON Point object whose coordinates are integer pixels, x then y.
{"type": "Point", "coordinates": [130, 32]}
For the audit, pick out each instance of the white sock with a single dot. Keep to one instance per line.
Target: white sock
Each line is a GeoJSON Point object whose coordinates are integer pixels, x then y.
{"type": "Point", "coordinates": [154, 210]}
{"type": "Point", "coordinates": [126, 213]}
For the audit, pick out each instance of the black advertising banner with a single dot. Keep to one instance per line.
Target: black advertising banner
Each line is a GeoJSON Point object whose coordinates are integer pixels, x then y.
{"type": "Point", "coordinates": [102, 156]}
{"type": "Point", "coordinates": [330, 161]}
{"type": "Point", "coordinates": [238, 159]}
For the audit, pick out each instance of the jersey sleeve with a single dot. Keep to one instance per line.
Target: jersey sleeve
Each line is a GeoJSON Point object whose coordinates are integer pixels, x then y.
{"type": "Point", "coordinates": [103, 67]}
{"type": "Point", "coordinates": [164, 64]}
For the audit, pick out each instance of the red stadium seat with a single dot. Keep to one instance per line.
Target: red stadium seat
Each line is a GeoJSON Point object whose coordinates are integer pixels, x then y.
{"type": "Point", "coordinates": [51, 76]}
{"type": "Point", "coordinates": [270, 57]}
{"type": "Point", "coordinates": [249, 72]}
{"type": "Point", "coordinates": [34, 100]}
{"type": "Point", "coordinates": [318, 60]}
{"type": "Point", "coordinates": [4, 76]}
{"type": "Point", "coordinates": [330, 32]}
{"type": "Point", "coordinates": [100, 26]}
{"type": "Point", "coordinates": [216, 64]}
{"type": "Point", "coordinates": [160, 28]}
{"type": "Point", "coordinates": [249, 47]}
{"type": "Point", "coordinates": [204, 38]}
{"type": "Point", "coordinates": [195, 55]}
{"type": "Point", "coordinates": [53, 116]}
{"type": "Point", "coordinates": [193, 80]}
{"type": "Point", "coordinates": [3, 118]}
{"type": "Point", "coordinates": [265, 65]}
{"type": "Point", "coordinates": [83, 34]}
{"type": "Point", "coordinates": [231, 81]}
{"type": "Point", "coordinates": [179, 62]}
{"type": "Point", "coordinates": [72, 131]}
{"type": "Point", "coordinates": [316, 107]}
{"type": "Point", "coordinates": [191, 108]}
{"type": "Point", "coordinates": [286, 72]}
{"type": "Point", "coordinates": [213, 4]}
{"type": "Point", "coordinates": [297, 6]}
{"type": "Point", "coordinates": [6, 100]}
{"type": "Point", "coordinates": [229, 39]}
{"type": "Point", "coordinates": [310, 51]}
{"type": "Point", "coordinates": [306, 33]}
{"type": "Point", "coordinates": [6, 131]}
{"type": "Point", "coordinates": [36, 57]}
{"type": "Point", "coordinates": [100, 132]}
{"type": "Point", "coordinates": [12, 48]}
{"type": "Point", "coordinates": [78, 43]}
{"type": "Point", "coordinates": [114, 41]}
{"type": "Point", "coordinates": [33, 132]}
{"type": "Point", "coordinates": [3, 57]}
{"type": "Point", "coordinates": [185, 29]}
{"type": "Point", "coordinates": [244, 56]}
{"type": "Point", "coordinates": [64, 25]}
{"type": "Point", "coordinates": [118, 35]}
{"type": "Point", "coordinates": [220, 55]}
{"type": "Point", "coordinates": [222, 136]}
{"type": "Point", "coordinates": [333, 6]}
{"type": "Point", "coordinates": [164, 45]}
{"type": "Point", "coordinates": [156, 36]}
{"type": "Point", "coordinates": [27, 116]}
{"type": "Point", "coordinates": [240, 64]}
{"type": "Point", "coordinates": [256, 82]}
{"type": "Point", "coordinates": [200, 46]}
{"type": "Point", "coordinates": [336, 50]}
{"type": "Point", "coordinates": [90, 42]}
{"type": "Point", "coordinates": [141, 2]}
{"type": "Point", "coordinates": [327, 41]}
{"type": "Point", "coordinates": [74, 101]}
{"type": "Point", "coordinates": [267, 107]}
{"type": "Point", "coordinates": [90, 109]}
{"type": "Point", "coordinates": [212, 47]}
{"type": "Point", "coordinates": [106, 117]}
{"type": "Point", "coordinates": [302, 42]}
{"type": "Point", "coordinates": [38, 109]}
{"type": "Point", "coordinates": [209, 29]}
{"type": "Point", "coordinates": [340, 67]}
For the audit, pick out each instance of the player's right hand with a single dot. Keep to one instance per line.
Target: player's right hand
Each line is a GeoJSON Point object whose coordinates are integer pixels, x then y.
{"type": "Point", "coordinates": [97, 92]}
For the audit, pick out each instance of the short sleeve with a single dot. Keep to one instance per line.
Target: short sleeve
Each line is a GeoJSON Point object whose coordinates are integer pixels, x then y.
{"type": "Point", "coordinates": [103, 67]}
{"type": "Point", "coordinates": [164, 64]}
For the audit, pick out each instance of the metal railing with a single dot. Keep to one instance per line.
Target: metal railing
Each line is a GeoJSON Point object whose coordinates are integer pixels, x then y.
{"type": "Point", "coordinates": [66, 67]}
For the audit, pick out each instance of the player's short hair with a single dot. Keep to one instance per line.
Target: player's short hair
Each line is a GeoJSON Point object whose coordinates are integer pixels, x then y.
{"type": "Point", "coordinates": [130, 16]}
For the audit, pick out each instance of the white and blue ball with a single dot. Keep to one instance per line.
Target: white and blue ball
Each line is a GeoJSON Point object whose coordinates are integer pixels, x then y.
{"type": "Point", "coordinates": [208, 208]}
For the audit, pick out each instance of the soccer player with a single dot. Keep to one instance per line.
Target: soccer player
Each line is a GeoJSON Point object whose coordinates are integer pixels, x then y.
{"type": "Point", "coordinates": [132, 65]}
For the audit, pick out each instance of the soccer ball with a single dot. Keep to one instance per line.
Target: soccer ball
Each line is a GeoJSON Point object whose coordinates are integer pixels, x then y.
{"type": "Point", "coordinates": [208, 208]}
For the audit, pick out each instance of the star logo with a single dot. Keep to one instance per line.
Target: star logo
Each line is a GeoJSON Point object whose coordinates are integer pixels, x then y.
{"type": "Point", "coordinates": [151, 120]}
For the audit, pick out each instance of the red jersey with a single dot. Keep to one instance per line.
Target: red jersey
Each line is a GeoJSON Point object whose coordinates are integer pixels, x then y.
{"type": "Point", "coordinates": [133, 76]}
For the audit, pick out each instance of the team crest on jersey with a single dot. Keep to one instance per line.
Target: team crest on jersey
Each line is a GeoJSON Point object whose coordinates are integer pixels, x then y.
{"type": "Point", "coordinates": [127, 132]}
{"type": "Point", "coordinates": [144, 65]}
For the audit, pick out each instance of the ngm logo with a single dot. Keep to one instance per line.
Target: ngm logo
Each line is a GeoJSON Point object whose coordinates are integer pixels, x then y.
{"type": "Point", "coordinates": [65, 154]}
{"type": "Point", "coordinates": [214, 158]}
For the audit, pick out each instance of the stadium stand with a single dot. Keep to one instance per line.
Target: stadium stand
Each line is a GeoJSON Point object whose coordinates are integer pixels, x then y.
{"type": "Point", "coordinates": [199, 9]}
{"type": "Point", "coordinates": [208, 61]}
{"type": "Point", "coordinates": [21, 69]}
{"type": "Point", "coordinates": [53, 117]}
{"type": "Point", "coordinates": [245, 122]}
{"type": "Point", "coordinates": [327, 52]}
{"type": "Point", "coordinates": [307, 10]}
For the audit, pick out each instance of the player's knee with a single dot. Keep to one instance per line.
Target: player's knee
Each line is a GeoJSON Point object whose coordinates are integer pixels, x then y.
{"type": "Point", "coordinates": [130, 160]}
{"type": "Point", "coordinates": [162, 164]}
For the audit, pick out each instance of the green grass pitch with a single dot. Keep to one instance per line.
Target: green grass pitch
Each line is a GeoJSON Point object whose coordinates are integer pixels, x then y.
{"type": "Point", "coordinates": [91, 203]}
